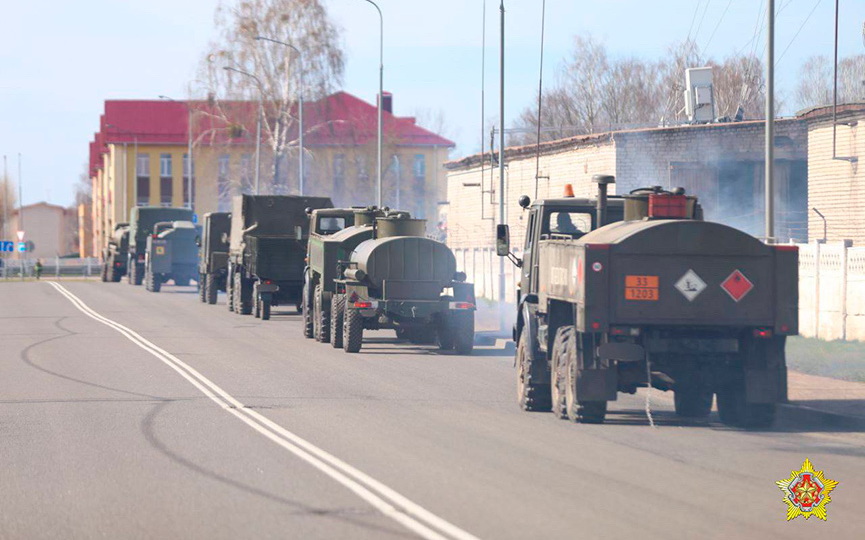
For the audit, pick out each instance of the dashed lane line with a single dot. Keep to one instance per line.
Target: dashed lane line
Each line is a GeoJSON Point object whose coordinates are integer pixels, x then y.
{"type": "Point", "coordinates": [383, 498]}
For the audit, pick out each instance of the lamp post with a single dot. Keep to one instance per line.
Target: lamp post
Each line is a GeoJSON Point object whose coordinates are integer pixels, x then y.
{"type": "Point", "coordinates": [299, 106]}
{"type": "Point", "coordinates": [380, 91]}
{"type": "Point", "coordinates": [257, 124]}
{"type": "Point", "coordinates": [188, 147]}
{"type": "Point", "coordinates": [126, 170]}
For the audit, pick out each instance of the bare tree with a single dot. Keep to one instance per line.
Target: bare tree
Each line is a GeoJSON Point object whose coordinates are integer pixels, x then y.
{"type": "Point", "coordinates": [306, 25]}
{"type": "Point", "coordinates": [8, 200]}
{"type": "Point", "coordinates": [739, 82]}
{"type": "Point", "coordinates": [671, 73]}
{"type": "Point", "coordinates": [816, 81]}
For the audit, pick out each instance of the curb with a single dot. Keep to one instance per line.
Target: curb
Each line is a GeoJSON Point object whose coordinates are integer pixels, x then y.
{"type": "Point", "coordinates": [826, 418]}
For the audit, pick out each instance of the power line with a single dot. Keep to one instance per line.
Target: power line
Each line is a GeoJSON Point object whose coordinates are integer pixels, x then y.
{"type": "Point", "coordinates": [801, 26]}
{"type": "Point", "coordinates": [718, 24]}
{"type": "Point", "coordinates": [693, 19]}
{"type": "Point", "coordinates": [697, 33]}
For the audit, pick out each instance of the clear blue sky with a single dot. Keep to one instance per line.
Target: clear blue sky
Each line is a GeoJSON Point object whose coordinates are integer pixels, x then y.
{"type": "Point", "coordinates": [60, 60]}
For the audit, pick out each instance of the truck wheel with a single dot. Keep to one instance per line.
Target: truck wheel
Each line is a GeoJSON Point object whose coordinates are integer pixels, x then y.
{"type": "Point", "coordinates": [322, 317]}
{"type": "Point", "coordinates": [115, 274]}
{"type": "Point", "coordinates": [306, 313]}
{"type": "Point", "coordinates": [243, 295]}
{"type": "Point", "coordinates": [265, 310]}
{"type": "Point", "coordinates": [531, 395]}
{"type": "Point", "coordinates": [464, 332]}
{"type": "Point", "coordinates": [229, 291]}
{"type": "Point", "coordinates": [735, 411]}
{"type": "Point", "coordinates": [444, 332]}
{"type": "Point", "coordinates": [131, 275]}
{"type": "Point", "coordinates": [583, 412]}
{"type": "Point", "coordinates": [337, 314]}
{"type": "Point", "coordinates": [202, 292]}
{"type": "Point", "coordinates": [139, 273]}
{"type": "Point", "coordinates": [129, 269]}
{"type": "Point", "coordinates": [352, 331]}
{"type": "Point", "coordinates": [104, 274]}
{"type": "Point", "coordinates": [693, 402]}
{"type": "Point", "coordinates": [558, 377]}
{"type": "Point", "coordinates": [210, 291]}
{"type": "Point", "coordinates": [256, 302]}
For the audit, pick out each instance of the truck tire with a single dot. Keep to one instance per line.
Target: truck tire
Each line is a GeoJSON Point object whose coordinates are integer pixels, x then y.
{"type": "Point", "coordinates": [139, 273]}
{"type": "Point", "coordinates": [583, 412]}
{"type": "Point", "coordinates": [306, 313]}
{"type": "Point", "coordinates": [444, 332]}
{"type": "Point", "coordinates": [130, 276]}
{"type": "Point", "coordinates": [693, 402]}
{"type": "Point", "coordinates": [735, 411]}
{"type": "Point", "coordinates": [104, 274]}
{"type": "Point", "coordinates": [463, 324]}
{"type": "Point", "coordinates": [114, 274]}
{"type": "Point", "coordinates": [265, 310]}
{"type": "Point", "coordinates": [229, 291]}
{"type": "Point", "coordinates": [352, 331]}
{"type": "Point", "coordinates": [210, 291]}
{"type": "Point", "coordinates": [202, 292]}
{"type": "Point", "coordinates": [243, 295]}
{"type": "Point", "coordinates": [152, 282]}
{"type": "Point", "coordinates": [256, 302]}
{"type": "Point", "coordinates": [129, 270]}
{"type": "Point", "coordinates": [337, 317]}
{"type": "Point", "coordinates": [558, 377]}
{"type": "Point", "coordinates": [322, 317]}
{"type": "Point", "coordinates": [531, 395]}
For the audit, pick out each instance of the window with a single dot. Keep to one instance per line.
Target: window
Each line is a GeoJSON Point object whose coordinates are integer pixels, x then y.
{"type": "Point", "coordinates": [574, 224]}
{"type": "Point", "coordinates": [223, 186]}
{"type": "Point", "coordinates": [186, 165]}
{"type": "Point", "coordinates": [339, 172]}
{"type": "Point", "coordinates": [166, 185]}
{"type": "Point", "coordinates": [419, 167]}
{"type": "Point", "coordinates": [142, 179]}
{"type": "Point", "coordinates": [330, 224]}
{"type": "Point", "coordinates": [246, 173]}
{"type": "Point", "coordinates": [362, 164]}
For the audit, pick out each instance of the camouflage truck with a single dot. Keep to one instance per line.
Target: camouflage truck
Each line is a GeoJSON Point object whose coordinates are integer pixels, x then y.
{"type": "Point", "coordinates": [213, 255]}
{"type": "Point", "coordinates": [267, 249]}
{"type": "Point", "coordinates": [398, 279]}
{"type": "Point", "coordinates": [115, 254]}
{"type": "Point", "coordinates": [141, 222]}
{"type": "Point", "coordinates": [171, 254]}
{"type": "Point", "coordinates": [647, 294]}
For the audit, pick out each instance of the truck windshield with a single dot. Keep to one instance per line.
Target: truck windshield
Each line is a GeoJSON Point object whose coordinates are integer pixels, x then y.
{"type": "Point", "coordinates": [330, 224]}
{"type": "Point", "coordinates": [570, 223]}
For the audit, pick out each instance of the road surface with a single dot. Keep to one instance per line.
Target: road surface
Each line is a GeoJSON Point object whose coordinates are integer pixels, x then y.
{"type": "Point", "coordinates": [128, 414]}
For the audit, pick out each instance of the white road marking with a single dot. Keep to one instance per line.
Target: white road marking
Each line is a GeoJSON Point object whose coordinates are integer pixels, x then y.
{"type": "Point", "coordinates": [386, 500]}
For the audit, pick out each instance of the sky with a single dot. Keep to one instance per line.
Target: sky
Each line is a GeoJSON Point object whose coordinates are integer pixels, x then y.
{"type": "Point", "coordinates": [60, 60]}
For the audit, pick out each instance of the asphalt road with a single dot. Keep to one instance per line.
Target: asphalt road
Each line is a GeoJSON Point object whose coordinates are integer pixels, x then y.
{"type": "Point", "coordinates": [206, 424]}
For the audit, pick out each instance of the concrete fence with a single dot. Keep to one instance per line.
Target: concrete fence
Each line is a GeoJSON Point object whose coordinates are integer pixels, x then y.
{"type": "Point", "coordinates": [831, 286]}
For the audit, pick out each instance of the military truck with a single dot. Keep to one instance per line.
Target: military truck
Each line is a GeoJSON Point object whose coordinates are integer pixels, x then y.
{"type": "Point", "coordinates": [141, 222]}
{"type": "Point", "coordinates": [399, 279]}
{"type": "Point", "coordinates": [115, 254]}
{"type": "Point", "coordinates": [267, 250]}
{"type": "Point", "coordinates": [643, 292]}
{"type": "Point", "coordinates": [213, 255]}
{"type": "Point", "coordinates": [334, 233]}
{"type": "Point", "coordinates": [171, 254]}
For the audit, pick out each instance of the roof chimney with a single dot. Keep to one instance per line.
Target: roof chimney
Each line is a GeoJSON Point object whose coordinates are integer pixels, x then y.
{"type": "Point", "coordinates": [387, 102]}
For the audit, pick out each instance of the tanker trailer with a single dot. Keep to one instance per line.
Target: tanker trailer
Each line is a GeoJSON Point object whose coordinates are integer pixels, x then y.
{"type": "Point", "coordinates": [334, 233]}
{"type": "Point", "coordinates": [141, 222]}
{"type": "Point", "coordinates": [213, 255]}
{"type": "Point", "coordinates": [267, 250]}
{"type": "Point", "coordinates": [171, 254]}
{"type": "Point", "coordinates": [403, 281]}
{"type": "Point", "coordinates": [115, 254]}
{"type": "Point", "coordinates": [666, 300]}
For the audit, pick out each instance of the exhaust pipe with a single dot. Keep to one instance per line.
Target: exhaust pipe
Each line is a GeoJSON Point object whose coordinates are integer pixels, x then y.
{"type": "Point", "coordinates": [603, 180]}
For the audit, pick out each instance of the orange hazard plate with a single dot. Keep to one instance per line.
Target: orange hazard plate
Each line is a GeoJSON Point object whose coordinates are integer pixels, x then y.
{"type": "Point", "coordinates": [641, 288]}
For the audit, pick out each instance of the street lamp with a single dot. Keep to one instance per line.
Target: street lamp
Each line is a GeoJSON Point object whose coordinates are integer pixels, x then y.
{"type": "Point", "coordinates": [380, 88]}
{"type": "Point", "coordinates": [299, 107]}
{"type": "Point", "coordinates": [188, 146]}
{"type": "Point", "coordinates": [257, 124]}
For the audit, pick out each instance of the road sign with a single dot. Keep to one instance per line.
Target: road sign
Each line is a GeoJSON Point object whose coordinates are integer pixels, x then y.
{"type": "Point", "coordinates": [20, 235]}
{"type": "Point", "coordinates": [195, 218]}
{"type": "Point", "coordinates": [7, 246]}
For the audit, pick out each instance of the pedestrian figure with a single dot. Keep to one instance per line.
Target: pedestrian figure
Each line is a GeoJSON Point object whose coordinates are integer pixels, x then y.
{"type": "Point", "coordinates": [38, 268]}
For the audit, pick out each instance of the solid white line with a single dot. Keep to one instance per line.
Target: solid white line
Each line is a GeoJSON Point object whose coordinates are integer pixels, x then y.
{"type": "Point", "coordinates": [386, 500]}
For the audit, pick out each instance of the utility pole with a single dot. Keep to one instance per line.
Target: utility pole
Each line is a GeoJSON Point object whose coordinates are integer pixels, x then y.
{"type": "Point", "coordinates": [20, 215]}
{"type": "Point", "coordinates": [770, 122]}
{"type": "Point", "coordinates": [502, 157]}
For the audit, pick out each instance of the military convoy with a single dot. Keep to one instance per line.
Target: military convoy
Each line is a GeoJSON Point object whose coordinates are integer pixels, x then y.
{"type": "Point", "coordinates": [267, 249]}
{"type": "Point", "coordinates": [142, 220]}
{"type": "Point", "coordinates": [213, 255]}
{"type": "Point", "coordinates": [377, 270]}
{"type": "Point", "coordinates": [116, 254]}
{"type": "Point", "coordinates": [171, 254]}
{"type": "Point", "coordinates": [635, 291]}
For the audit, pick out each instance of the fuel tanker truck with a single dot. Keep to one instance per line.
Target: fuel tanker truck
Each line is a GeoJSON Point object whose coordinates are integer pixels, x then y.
{"type": "Point", "coordinates": [171, 254]}
{"type": "Point", "coordinates": [213, 255]}
{"type": "Point", "coordinates": [141, 222]}
{"type": "Point", "coordinates": [639, 291]}
{"type": "Point", "coordinates": [399, 279]}
{"type": "Point", "coordinates": [115, 254]}
{"type": "Point", "coordinates": [267, 249]}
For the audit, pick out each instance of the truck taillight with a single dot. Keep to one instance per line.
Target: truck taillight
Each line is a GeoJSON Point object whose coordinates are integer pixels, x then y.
{"type": "Point", "coordinates": [366, 304]}
{"type": "Point", "coordinates": [762, 333]}
{"type": "Point", "coordinates": [625, 331]}
{"type": "Point", "coordinates": [461, 305]}
{"type": "Point", "coordinates": [786, 247]}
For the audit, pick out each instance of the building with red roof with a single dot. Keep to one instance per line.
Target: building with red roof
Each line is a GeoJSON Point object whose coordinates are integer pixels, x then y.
{"type": "Point", "coordinates": [139, 157]}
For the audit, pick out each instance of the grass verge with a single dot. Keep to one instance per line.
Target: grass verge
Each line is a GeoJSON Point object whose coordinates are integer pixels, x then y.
{"type": "Point", "coordinates": [838, 359]}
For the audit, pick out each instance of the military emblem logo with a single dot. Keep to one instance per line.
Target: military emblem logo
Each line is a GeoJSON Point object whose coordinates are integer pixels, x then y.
{"type": "Point", "coordinates": [806, 492]}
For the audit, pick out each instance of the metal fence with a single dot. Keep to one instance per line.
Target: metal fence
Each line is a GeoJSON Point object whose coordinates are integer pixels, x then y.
{"type": "Point", "coordinates": [13, 268]}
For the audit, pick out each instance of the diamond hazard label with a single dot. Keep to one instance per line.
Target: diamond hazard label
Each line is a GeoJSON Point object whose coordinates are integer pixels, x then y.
{"type": "Point", "coordinates": [690, 285]}
{"type": "Point", "coordinates": [737, 285]}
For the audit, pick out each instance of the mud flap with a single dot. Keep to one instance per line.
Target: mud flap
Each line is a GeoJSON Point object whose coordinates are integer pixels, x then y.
{"type": "Point", "coordinates": [597, 384]}
{"type": "Point", "coordinates": [766, 385]}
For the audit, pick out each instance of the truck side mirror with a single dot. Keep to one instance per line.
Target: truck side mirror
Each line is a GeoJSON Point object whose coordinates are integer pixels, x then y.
{"type": "Point", "coordinates": [503, 240]}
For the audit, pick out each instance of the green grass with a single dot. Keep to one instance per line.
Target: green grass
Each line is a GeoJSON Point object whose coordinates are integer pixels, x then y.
{"type": "Point", "coordinates": [838, 359]}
